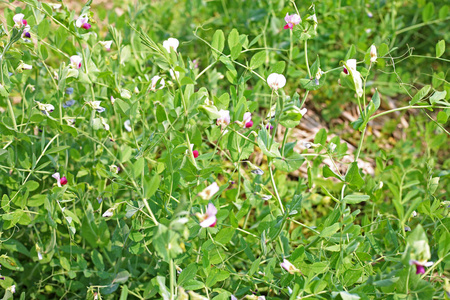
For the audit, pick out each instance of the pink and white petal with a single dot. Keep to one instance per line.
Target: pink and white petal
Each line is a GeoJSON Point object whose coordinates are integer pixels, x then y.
{"type": "Point", "coordinates": [211, 210]}
{"type": "Point", "coordinates": [208, 222]}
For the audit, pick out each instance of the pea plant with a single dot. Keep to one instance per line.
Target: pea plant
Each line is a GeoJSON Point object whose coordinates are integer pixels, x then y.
{"type": "Point", "coordinates": [140, 165]}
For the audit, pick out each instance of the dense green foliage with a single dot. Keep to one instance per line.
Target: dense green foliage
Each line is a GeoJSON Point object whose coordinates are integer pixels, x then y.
{"type": "Point", "coordinates": [105, 169]}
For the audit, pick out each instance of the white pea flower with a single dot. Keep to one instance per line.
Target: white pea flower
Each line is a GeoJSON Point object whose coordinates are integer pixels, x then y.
{"type": "Point", "coordinates": [351, 64]}
{"type": "Point", "coordinates": [45, 108]}
{"type": "Point", "coordinates": [127, 125]}
{"type": "Point", "coordinates": [96, 105]}
{"type": "Point", "coordinates": [171, 43]}
{"type": "Point", "coordinates": [57, 176]}
{"type": "Point", "coordinates": [224, 118]}
{"type": "Point", "coordinates": [106, 44]}
{"type": "Point", "coordinates": [105, 125]}
{"type": "Point", "coordinates": [155, 80]}
{"type": "Point", "coordinates": [124, 93]}
{"type": "Point", "coordinates": [209, 191]}
{"type": "Point", "coordinates": [55, 6]}
{"type": "Point", "coordinates": [109, 213]}
{"type": "Point", "coordinates": [373, 54]}
{"type": "Point", "coordinates": [350, 68]}
{"type": "Point", "coordinates": [23, 66]}
{"type": "Point", "coordinates": [174, 74]}
{"type": "Point", "coordinates": [318, 75]}
{"type": "Point", "coordinates": [303, 111]}
{"type": "Point", "coordinates": [332, 147]}
{"type": "Point", "coordinates": [276, 81]}
{"type": "Point", "coordinates": [13, 288]}
{"type": "Point", "coordinates": [114, 169]}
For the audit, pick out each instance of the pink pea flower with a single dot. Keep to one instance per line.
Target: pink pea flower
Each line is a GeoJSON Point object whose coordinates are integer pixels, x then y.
{"type": "Point", "coordinates": [83, 22]}
{"type": "Point", "coordinates": [75, 61]}
{"type": "Point", "coordinates": [195, 153]}
{"type": "Point", "coordinates": [248, 123]}
{"type": "Point", "coordinates": [209, 218]}
{"type": "Point", "coordinates": [289, 267]}
{"type": "Point", "coordinates": [60, 181]}
{"type": "Point", "coordinates": [19, 21]}
{"type": "Point", "coordinates": [420, 265]}
{"type": "Point", "coordinates": [292, 20]}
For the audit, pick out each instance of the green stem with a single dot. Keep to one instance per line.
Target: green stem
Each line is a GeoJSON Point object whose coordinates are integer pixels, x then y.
{"type": "Point", "coordinates": [172, 280]}
{"type": "Point", "coordinates": [306, 58]}
{"type": "Point", "coordinates": [11, 112]}
{"type": "Point", "coordinates": [275, 188]}
{"type": "Point", "coordinates": [420, 25]}
{"type": "Point", "coordinates": [360, 144]}
{"type": "Point", "coordinates": [403, 108]}
{"type": "Point", "coordinates": [150, 212]}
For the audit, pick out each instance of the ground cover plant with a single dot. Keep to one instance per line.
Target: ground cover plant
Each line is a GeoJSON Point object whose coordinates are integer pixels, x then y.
{"type": "Point", "coordinates": [224, 150]}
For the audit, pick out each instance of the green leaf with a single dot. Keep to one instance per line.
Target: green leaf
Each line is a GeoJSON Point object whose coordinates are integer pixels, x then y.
{"type": "Point", "coordinates": [444, 244]}
{"type": "Point", "coordinates": [64, 263]}
{"type": "Point", "coordinates": [121, 277]}
{"type": "Point", "coordinates": [420, 94]}
{"type": "Point", "coordinates": [327, 172]}
{"type": "Point", "coordinates": [350, 53]}
{"type": "Point", "coordinates": [218, 43]}
{"type": "Point", "coordinates": [383, 49]}
{"type": "Point", "coordinates": [187, 274]}
{"type": "Point", "coordinates": [428, 12]}
{"type": "Point", "coordinates": [151, 186]}
{"type": "Point", "coordinates": [278, 67]}
{"type": "Point", "coordinates": [216, 275]}
{"type": "Point", "coordinates": [355, 199]}
{"type": "Point", "coordinates": [257, 60]}
{"type": "Point", "coordinates": [443, 12]}
{"type": "Point", "coordinates": [233, 38]}
{"type": "Point", "coordinates": [225, 235]}
{"type": "Point", "coordinates": [254, 267]}
{"type": "Point", "coordinates": [290, 163]}
{"type": "Point", "coordinates": [31, 185]}
{"type": "Point", "coordinates": [437, 95]}
{"type": "Point", "coordinates": [57, 149]}
{"type": "Point", "coordinates": [263, 143]}
{"type": "Point", "coordinates": [353, 177]}
{"type": "Point", "coordinates": [193, 285]}
{"type": "Point", "coordinates": [442, 117]}
{"type": "Point", "coordinates": [330, 230]}
{"type": "Point", "coordinates": [321, 137]}
{"type": "Point", "coordinates": [124, 293]}
{"type": "Point", "coordinates": [440, 48]}
{"type": "Point", "coordinates": [97, 259]}
{"type": "Point", "coordinates": [138, 167]}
